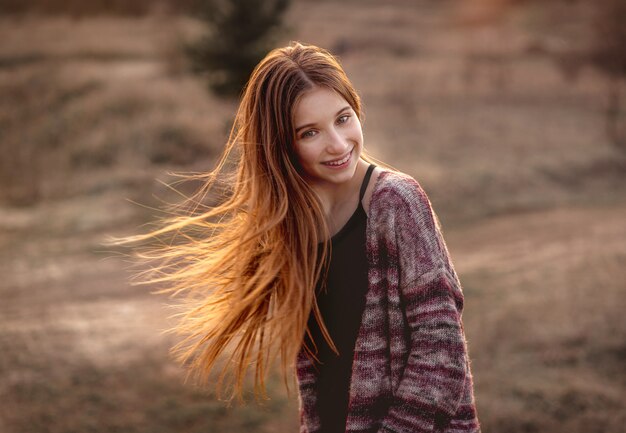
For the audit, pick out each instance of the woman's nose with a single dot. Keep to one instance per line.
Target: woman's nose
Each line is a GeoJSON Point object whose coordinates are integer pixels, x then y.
{"type": "Point", "coordinates": [337, 144]}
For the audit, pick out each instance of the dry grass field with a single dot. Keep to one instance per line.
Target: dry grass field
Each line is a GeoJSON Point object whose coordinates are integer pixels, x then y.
{"type": "Point", "coordinates": [507, 138]}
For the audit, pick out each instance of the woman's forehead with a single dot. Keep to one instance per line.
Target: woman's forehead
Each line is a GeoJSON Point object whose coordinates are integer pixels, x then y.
{"type": "Point", "coordinates": [318, 104]}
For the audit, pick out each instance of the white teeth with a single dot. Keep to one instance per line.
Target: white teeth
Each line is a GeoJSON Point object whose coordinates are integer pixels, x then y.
{"type": "Point", "coordinates": [343, 161]}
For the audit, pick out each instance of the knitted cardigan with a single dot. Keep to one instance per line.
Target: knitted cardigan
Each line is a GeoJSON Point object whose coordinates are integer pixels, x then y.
{"type": "Point", "coordinates": [411, 370]}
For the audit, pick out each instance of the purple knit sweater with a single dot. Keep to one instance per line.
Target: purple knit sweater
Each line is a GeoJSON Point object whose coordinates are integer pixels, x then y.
{"type": "Point", "coordinates": [411, 371]}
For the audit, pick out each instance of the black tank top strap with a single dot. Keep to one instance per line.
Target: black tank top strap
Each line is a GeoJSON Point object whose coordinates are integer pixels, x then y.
{"type": "Point", "coordinates": [366, 181]}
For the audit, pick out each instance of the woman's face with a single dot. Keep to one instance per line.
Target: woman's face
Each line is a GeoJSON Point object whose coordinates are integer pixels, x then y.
{"type": "Point", "coordinates": [329, 139]}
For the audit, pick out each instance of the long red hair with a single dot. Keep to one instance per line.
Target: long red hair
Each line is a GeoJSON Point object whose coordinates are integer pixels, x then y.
{"type": "Point", "coordinates": [248, 267]}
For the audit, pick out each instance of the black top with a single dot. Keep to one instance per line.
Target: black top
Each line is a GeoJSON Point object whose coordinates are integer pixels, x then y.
{"type": "Point", "coordinates": [341, 305]}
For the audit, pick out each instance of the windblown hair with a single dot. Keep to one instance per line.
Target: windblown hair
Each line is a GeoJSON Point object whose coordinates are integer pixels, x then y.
{"type": "Point", "coordinates": [249, 266]}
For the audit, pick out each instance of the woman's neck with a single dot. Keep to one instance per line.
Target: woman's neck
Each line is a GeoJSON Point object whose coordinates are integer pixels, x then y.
{"type": "Point", "coordinates": [340, 201]}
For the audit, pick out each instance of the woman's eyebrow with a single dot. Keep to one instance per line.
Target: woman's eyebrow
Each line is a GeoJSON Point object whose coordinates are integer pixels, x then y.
{"type": "Point", "coordinates": [312, 124]}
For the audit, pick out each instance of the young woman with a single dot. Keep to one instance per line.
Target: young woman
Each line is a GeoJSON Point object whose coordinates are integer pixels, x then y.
{"type": "Point", "coordinates": [323, 258]}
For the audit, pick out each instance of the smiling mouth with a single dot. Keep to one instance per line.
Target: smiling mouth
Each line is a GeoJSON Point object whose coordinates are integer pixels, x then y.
{"type": "Point", "coordinates": [341, 161]}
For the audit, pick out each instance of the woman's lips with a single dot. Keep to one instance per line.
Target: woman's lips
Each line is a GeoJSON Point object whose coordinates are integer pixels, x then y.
{"type": "Point", "coordinates": [340, 162]}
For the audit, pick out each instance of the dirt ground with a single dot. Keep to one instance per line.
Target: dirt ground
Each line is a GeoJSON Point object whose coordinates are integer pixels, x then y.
{"type": "Point", "coordinates": [509, 145]}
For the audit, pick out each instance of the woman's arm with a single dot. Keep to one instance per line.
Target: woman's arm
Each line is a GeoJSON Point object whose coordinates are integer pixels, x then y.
{"type": "Point", "coordinates": [433, 381]}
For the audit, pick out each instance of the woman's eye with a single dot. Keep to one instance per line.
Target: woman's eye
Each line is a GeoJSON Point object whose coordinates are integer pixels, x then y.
{"type": "Point", "coordinates": [343, 119]}
{"type": "Point", "coordinates": [308, 134]}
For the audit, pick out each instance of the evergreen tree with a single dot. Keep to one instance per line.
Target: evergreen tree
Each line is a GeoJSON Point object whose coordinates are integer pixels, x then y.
{"type": "Point", "coordinates": [238, 35]}
{"type": "Point", "coordinates": [609, 54]}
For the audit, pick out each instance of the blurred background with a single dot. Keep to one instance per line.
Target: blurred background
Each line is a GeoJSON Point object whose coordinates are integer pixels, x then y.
{"type": "Point", "coordinates": [510, 113]}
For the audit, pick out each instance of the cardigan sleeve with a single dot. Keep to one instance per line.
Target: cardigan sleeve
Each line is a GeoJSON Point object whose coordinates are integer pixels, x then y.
{"type": "Point", "coordinates": [433, 380]}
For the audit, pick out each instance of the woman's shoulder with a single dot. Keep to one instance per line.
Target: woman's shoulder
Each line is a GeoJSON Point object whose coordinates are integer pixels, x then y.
{"type": "Point", "coordinates": [393, 188]}
{"type": "Point", "coordinates": [400, 207]}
